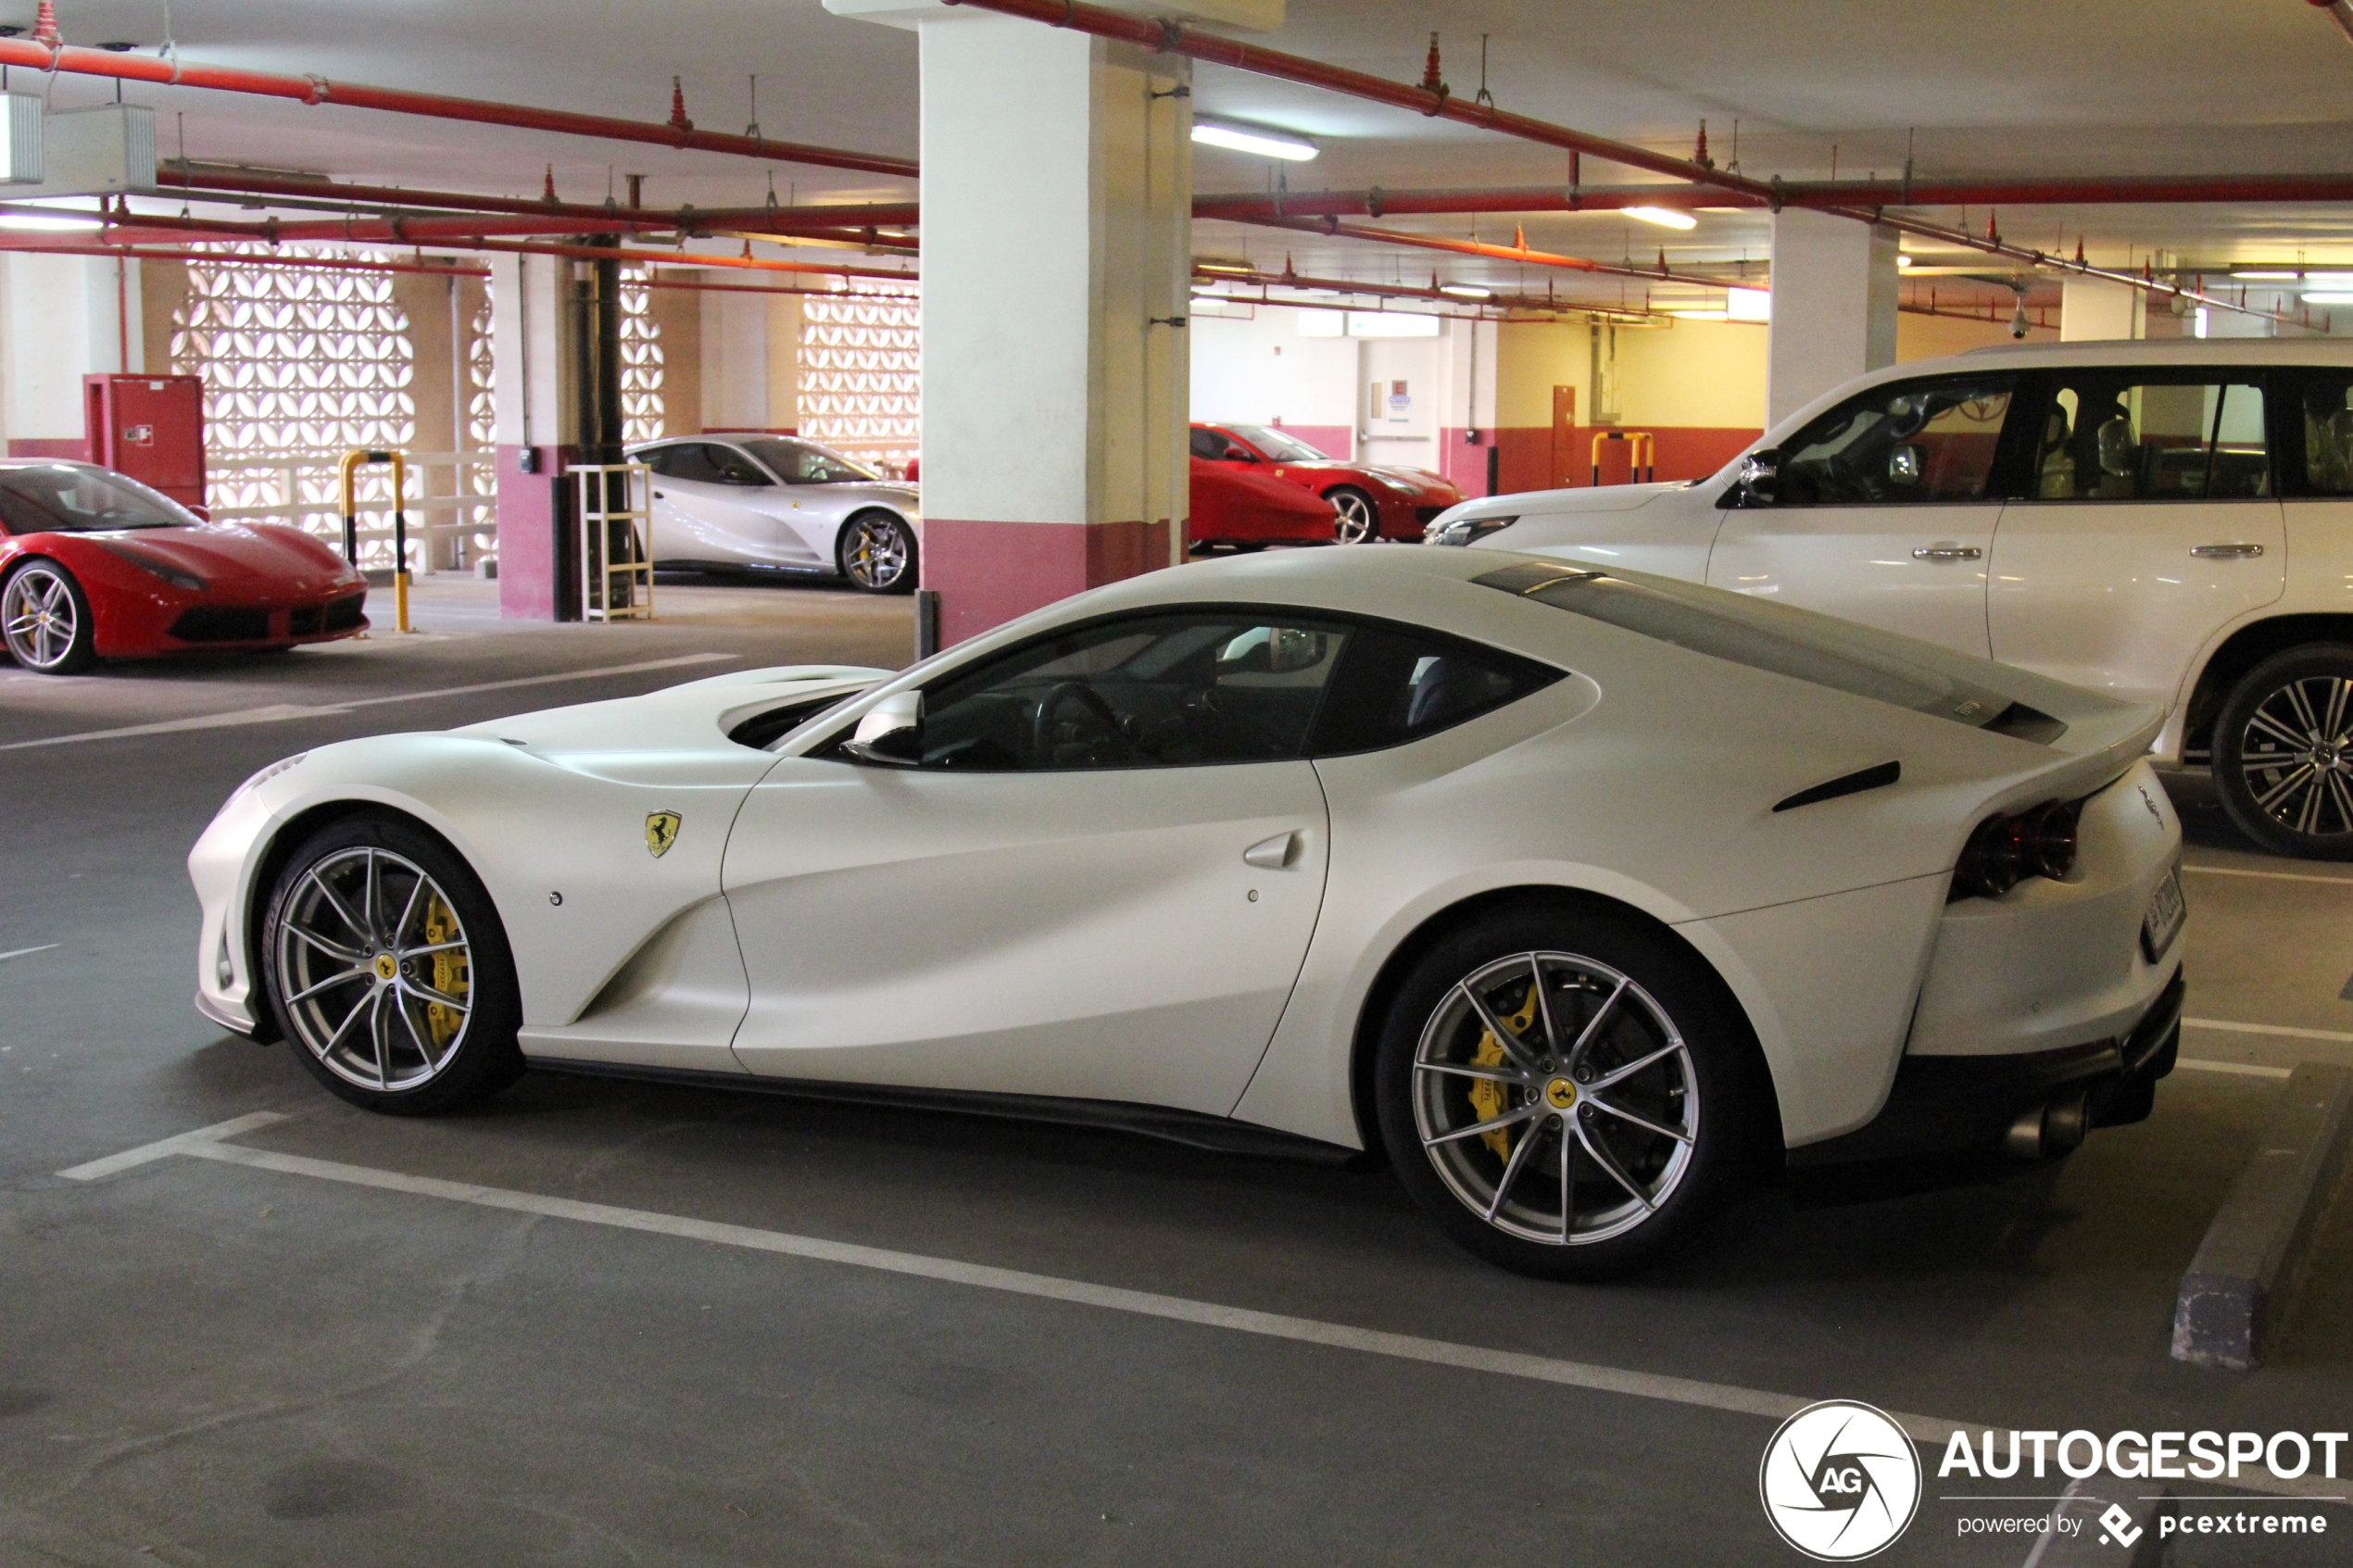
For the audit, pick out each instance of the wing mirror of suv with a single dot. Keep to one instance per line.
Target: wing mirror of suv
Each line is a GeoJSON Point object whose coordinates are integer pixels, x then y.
{"type": "Point", "coordinates": [1761, 477]}
{"type": "Point", "coordinates": [890, 735]}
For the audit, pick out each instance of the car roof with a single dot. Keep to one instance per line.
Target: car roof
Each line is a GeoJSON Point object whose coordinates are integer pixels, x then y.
{"type": "Point", "coordinates": [2161, 351]}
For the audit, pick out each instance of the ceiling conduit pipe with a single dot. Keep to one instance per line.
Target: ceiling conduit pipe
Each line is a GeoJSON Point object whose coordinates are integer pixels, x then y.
{"type": "Point", "coordinates": [680, 133]}
{"type": "Point", "coordinates": [1462, 307]}
{"type": "Point", "coordinates": [1174, 38]}
{"type": "Point", "coordinates": [1495, 253]}
{"type": "Point", "coordinates": [843, 221]}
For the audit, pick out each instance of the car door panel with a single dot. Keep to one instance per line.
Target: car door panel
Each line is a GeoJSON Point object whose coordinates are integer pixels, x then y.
{"type": "Point", "coordinates": [1093, 934]}
{"type": "Point", "coordinates": [699, 518]}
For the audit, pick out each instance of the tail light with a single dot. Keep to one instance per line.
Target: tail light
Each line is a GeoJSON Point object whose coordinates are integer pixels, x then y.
{"type": "Point", "coordinates": [2006, 849]}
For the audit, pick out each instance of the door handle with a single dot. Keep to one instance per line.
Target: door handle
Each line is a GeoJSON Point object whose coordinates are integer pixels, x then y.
{"type": "Point", "coordinates": [1948, 552]}
{"type": "Point", "coordinates": [1273, 854]}
{"type": "Point", "coordinates": [2226, 552]}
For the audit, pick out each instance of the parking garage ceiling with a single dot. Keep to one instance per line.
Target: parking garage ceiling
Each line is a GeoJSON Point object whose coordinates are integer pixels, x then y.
{"type": "Point", "coordinates": [1801, 89]}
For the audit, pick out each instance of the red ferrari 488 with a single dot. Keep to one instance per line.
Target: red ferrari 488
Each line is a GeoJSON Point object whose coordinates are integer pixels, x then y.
{"type": "Point", "coordinates": [97, 566]}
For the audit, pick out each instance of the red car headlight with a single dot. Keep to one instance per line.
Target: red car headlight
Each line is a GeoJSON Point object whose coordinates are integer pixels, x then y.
{"type": "Point", "coordinates": [154, 566]}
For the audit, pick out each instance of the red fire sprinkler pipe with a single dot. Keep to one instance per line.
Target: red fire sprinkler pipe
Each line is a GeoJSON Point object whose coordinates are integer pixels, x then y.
{"type": "Point", "coordinates": [680, 132]}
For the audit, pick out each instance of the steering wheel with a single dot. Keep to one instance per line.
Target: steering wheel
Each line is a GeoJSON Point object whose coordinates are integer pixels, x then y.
{"type": "Point", "coordinates": [1043, 746]}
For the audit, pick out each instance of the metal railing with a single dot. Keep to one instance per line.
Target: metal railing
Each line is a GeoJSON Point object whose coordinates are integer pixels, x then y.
{"type": "Point", "coordinates": [450, 522]}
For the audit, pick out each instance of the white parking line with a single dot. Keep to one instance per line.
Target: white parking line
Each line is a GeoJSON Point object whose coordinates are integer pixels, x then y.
{"type": "Point", "coordinates": [280, 712]}
{"type": "Point", "coordinates": [20, 952]}
{"type": "Point", "coordinates": [2224, 1025]}
{"type": "Point", "coordinates": [206, 1143]}
{"type": "Point", "coordinates": [2269, 876]}
{"type": "Point", "coordinates": [2243, 1069]}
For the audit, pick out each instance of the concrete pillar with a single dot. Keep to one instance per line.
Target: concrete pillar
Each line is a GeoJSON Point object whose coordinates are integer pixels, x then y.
{"type": "Point", "coordinates": [534, 421]}
{"type": "Point", "coordinates": [2090, 308]}
{"type": "Point", "coordinates": [62, 318]}
{"type": "Point", "coordinates": [1465, 403]}
{"type": "Point", "coordinates": [1057, 243]}
{"type": "Point", "coordinates": [1834, 298]}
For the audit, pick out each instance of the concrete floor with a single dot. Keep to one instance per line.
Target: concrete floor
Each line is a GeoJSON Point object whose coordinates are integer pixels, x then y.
{"type": "Point", "coordinates": [207, 1362]}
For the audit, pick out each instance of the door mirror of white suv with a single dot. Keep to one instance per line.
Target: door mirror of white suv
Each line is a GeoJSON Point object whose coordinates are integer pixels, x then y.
{"type": "Point", "coordinates": [1761, 477]}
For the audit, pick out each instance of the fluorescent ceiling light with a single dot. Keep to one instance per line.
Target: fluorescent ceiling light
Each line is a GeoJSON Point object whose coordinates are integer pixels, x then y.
{"type": "Point", "coordinates": [2265, 275]}
{"type": "Point", "coordinates": [1748, 305]}
{"type": "Point", "coordinates": [29, 223]}
{"type": "Point", "coordinates": [1699, 315]}
{"type": "Point", "coordinates": [2330, 279]}
{"type": "Point", "coordinates": [1243, 267]}
{"type": "Point", "coordinates": [1903, 258]}
{"type": "Point", "coordinates": [2329, 296]}
{"type": "Point", "coordinates": [1253, 140]}
{"type": "Point", "coordinates": [1467, 291]}
{"type": "Point", "coordinates": [1665, 217]}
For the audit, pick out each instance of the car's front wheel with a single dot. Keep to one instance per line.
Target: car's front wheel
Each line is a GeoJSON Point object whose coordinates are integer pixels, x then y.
{"type": "Point", "coordinates": [1358, 520]}
{"type": "Point", "coordinates": [2283, 753]}
{"type": "Point", "coordinates": [389, 972]}
{"type": "Point", "coordinates": [1566, 1095]}
{"type": "Point", "coordinates": [44, 618]}
{"type": "Point", "coordinates": [878, 553]}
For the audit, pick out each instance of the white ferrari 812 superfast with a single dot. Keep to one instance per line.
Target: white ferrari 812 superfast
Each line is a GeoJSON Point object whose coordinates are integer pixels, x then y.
{"type": "Point", "coordinates": [1577, 893]}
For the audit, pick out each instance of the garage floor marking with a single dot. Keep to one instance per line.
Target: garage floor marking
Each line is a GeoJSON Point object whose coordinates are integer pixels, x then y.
{"type": "Point", "coordinates": [2225, 1026]}
{"type": "Point", "coordinates": [20, 952]}
{"type": "Point", "coordinates": [2244, 1069]}
{"type": "Point", "coordinates": [206, 1143]}
{"type": "Point", "coordinates": [2270, 876]}
{"type": "Point", "coordinates": [278, 712]}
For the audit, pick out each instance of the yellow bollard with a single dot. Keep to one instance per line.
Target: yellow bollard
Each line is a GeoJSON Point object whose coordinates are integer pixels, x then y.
{"type": "Point", "coordinates": [349, 466]}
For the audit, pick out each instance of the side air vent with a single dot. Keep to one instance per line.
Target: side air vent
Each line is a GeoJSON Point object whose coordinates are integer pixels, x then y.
{"type": "Point", "coordinates": [2022, 722]}
{"type": "Point", "coordinates": [1850, 783]}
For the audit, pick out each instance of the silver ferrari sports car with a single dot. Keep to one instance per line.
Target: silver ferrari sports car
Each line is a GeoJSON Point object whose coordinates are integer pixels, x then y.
{"type": "Point", "coordinates": [1575, 893]}
{"type": "Point", "coordinates": [778, 503]}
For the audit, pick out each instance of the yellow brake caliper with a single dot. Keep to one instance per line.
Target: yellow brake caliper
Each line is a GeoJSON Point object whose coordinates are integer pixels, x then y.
{"type": "Point", "coordinates": [450, 975]}
{"type": "Point", "coordinates": [1485, 1095]}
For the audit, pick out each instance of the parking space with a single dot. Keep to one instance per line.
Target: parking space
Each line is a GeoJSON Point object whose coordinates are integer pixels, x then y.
{"type": "Point", "coordinates": [370, 1339]}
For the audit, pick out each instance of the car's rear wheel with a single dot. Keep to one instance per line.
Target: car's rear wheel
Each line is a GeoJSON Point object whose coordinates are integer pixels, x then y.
{"type": "Point", "coordinates": [1359, 519]}
{"type": "Point", "coordinates": [1566, 1095]}
{"type": "Point", "coordinates": [878, 553]}
{"type": "Point", "coordinates": [44, 618]}
{"type": "Point", "coordinates": [388, 970]}
{"type": "Point", "coordinates": [2283, 753]}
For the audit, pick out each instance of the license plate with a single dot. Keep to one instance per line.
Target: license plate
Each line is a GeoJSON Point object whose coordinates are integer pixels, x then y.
{"type": "Point", "coordinates": [2166, 912]}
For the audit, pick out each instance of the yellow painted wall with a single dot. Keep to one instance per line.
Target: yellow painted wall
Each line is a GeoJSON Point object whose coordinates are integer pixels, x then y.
{"type": "Point", "coordinates": [1703, 373]}
{"type": "Point", "coordinates": [1532, 357]}
{"type": "Point", "coordinates": [1927, 337]}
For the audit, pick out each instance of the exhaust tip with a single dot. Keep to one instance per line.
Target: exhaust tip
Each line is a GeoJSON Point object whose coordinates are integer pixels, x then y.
{"type": "Point", "coordinates": [2051, 1129]}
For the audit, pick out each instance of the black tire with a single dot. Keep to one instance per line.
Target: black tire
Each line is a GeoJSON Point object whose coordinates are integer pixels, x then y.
{"type": "Point", "coordinates": [2283, 753]}
{"type": "Point", "coordinates": [877, 554]}
{"type": "Point", "coordinates": [35, 595]}
{"type": "Point", "coordinates": [426, 1057]}
{"type": "Point", "coordinates": [1705, 1085]}
{"type": "Point", "coordinates": [1357, 516]}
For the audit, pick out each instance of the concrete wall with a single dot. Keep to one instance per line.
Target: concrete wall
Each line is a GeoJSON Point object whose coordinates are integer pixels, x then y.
{"type": "Point", "coordinates": [1697, 387]}
{"type": "Point", "coordinates": [1259, 368]}
{"type": "Point", "coordinates": [1928, 337]}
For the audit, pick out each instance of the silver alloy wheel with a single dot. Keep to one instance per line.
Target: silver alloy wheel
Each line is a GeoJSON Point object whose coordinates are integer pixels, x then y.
{"type": "Point", "coordinates": [38, 617]}
{"type": "Point", "coordinates": [874, 553]}
{"type": "Point", "coordinates": [1555, 1099]}
{"type": "Point", "coordinates": [376, 970]}
{"type": "Point", "coordinates": [1357, 522]}
{"type": "Point", "coordinates": [2297, 756]}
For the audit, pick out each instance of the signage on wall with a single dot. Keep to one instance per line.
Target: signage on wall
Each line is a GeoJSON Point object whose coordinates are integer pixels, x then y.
{"type": "Point", "coordinates": [1401, 402]}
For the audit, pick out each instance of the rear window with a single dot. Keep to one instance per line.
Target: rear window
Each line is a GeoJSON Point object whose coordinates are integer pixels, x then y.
{"type": "Point", "coordinates": [1762, 637]}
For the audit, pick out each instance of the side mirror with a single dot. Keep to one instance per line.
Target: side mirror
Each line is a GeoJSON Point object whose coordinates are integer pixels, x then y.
{"type": "Point", "coordinates": [1240, 455]}
{"type": "Point", "coordinates": [890, 735]}
{"type": "Point", "coordinates": [1761, 477]}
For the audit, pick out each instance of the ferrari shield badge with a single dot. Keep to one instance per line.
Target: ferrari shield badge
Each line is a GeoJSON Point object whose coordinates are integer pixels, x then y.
{"type": "Point", "coordinates": [661, 832]}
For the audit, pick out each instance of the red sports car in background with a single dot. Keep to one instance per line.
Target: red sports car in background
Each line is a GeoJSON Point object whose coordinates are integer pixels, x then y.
{"type": "Point", "coordinates": [97, 566]}
{"type": "Point", "coordinates": [1372, 501]}
{"type": "Point", "coordinates": [1244, 508]}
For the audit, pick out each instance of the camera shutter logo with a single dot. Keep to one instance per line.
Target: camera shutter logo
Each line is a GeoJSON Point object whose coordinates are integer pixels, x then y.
{"type": "Point", "coordinates": [1840, 1482]}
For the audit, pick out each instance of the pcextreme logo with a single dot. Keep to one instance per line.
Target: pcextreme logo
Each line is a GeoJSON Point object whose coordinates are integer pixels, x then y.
{"type": "Point", "coordinates": [1841, 1481]}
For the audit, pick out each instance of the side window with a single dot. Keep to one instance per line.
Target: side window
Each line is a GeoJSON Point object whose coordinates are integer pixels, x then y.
{"type": "Point", "coordinates": [1912, 442]}
{"type": "Point", "coordinates": [2325, 400]}
{"type": "Point", "coordinates": [2113, 437]}
{"type": "Point", "coordinates": [1210, 444]}
{"type": "Point", "coordinates": [1396, 686]}
{"type": "Point", "coordinates": [1168, 690]}
{"type": "Point", "coordinates": [659, 459]}
{"type": "Point", "coordinates": [732, 466]}
{"type": "Point", "coordinates": [690, 460]}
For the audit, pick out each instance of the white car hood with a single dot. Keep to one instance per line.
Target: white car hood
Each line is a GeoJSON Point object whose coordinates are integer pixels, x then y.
{"type": "Point", "coordinates": [695, 716]}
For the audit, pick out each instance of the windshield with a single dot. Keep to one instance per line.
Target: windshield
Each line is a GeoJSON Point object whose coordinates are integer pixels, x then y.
{"type": "Point", "coordinates": [67, 498]}
{"type": "Point", "coordinates": [1812, 648]}
{"type": "Point", "coordinates": [805, 462]}
{"type": "Point", "coordinates": [1282, 445]}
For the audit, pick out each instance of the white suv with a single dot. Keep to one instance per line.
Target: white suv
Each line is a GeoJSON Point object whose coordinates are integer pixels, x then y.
{"type": "Point", "coordinates": [2163, 521]}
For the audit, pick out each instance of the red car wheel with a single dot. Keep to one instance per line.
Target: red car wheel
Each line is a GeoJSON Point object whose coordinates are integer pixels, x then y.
{"type": "Point", "coordinates": [1359, 519]}
{"type": "Point", "coordinates": [44, 617]}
